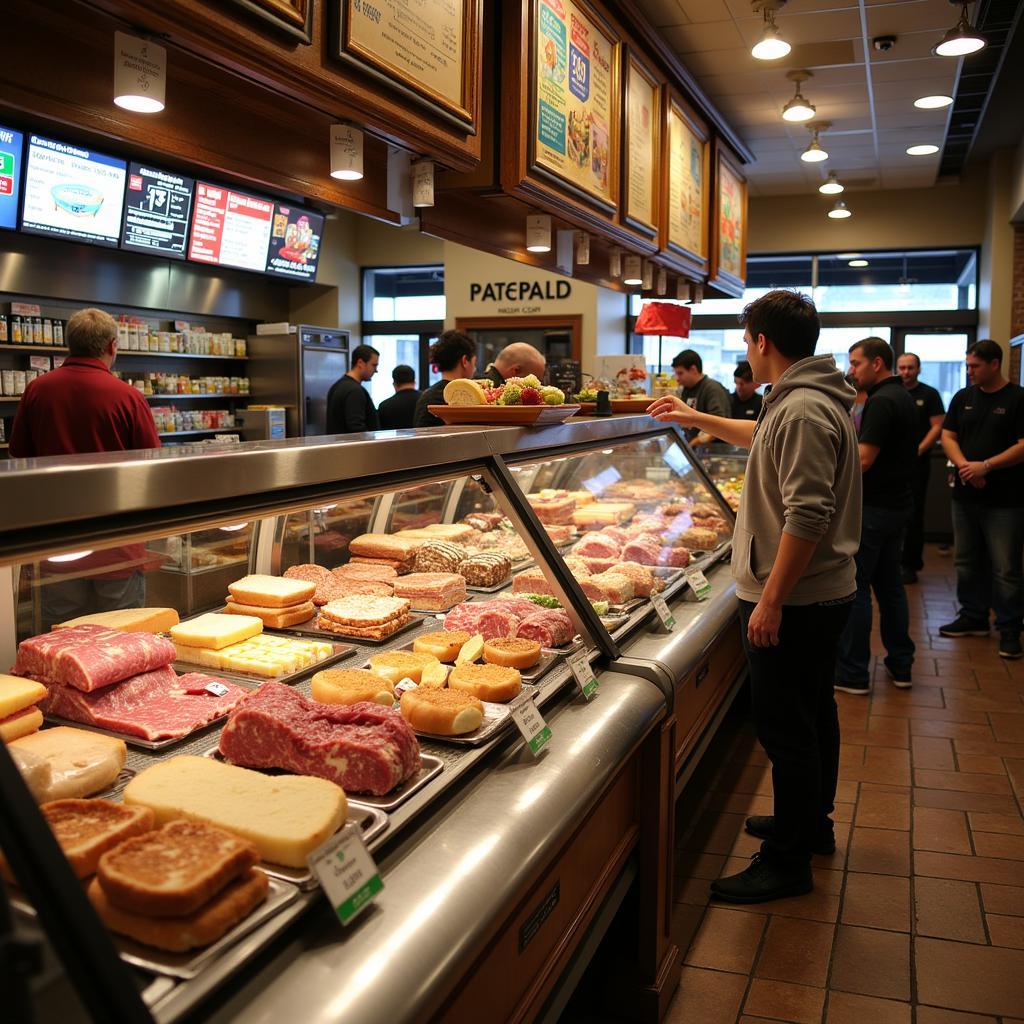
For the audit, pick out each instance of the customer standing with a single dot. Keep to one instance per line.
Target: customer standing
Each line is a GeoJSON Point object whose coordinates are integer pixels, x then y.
{"type": "Point", "coordinates": [82, 407]}
{"type": "Point", "coordinates": [930, 412]}
{"type": "Point", "coordinates": [888, 452]}
{"type": "Point", "coordinates": [454, 354]}
{"type": "Point", "coordinates": [699, 391]}
{"type": "Point", "coordinates": [983, 436]}
{"type": "Point", "coordinates": [792, 559]}
{"type": "Point", "coordinates": [350, 409]}
{"type": "Point", "coordinates": [397, 411]}
{"type": "Point", "coordinates": [746, 401]}
{"type": "Point", "coordinates": [517, 359]}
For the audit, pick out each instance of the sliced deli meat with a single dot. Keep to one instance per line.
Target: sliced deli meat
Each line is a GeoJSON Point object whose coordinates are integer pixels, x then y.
{"type": "Point", "coordinates": [548, 626]}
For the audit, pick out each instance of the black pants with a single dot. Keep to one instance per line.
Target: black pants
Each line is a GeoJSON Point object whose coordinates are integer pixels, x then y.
{"type": "Point", "coordinates": [797, 720]}
{"type": "Point", "coordinates": [913, 543]}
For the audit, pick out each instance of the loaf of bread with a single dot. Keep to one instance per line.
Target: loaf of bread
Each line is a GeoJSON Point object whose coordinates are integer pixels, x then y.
{"type": "Point", "coordinates": [443, 645]}
{"type": "Point", "coordinates": [81, 763]}
{"type": "Point", "coordinates": [285, 816]}
{"type": "Point", "coordinates": [352, 686]}
{"type": "Point", "coordinates": [273, 618]}
{"type": "Point", "coordinates": [464, 392]}
{"type": "Point", "coordinates": [497, 684]}
{"type": "Point", "coordinates": [271, 591]}
{"type": "Point", "coordinates": [128, 620]}
{"type": "Point", "coordinates": [215, 630]}
{"type": "Point", "coordinates": [441, 712]}
{"type": "Point", "coordinates": [385, 546]}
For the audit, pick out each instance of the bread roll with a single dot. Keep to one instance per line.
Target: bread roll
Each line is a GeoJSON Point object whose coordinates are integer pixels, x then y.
{"type": "Point", "coordinates": [443, 645]}
{"type": "Point", "coordinates": [398, 665]}
{"type": "Point", "coordinates": [464, 392]}
{"type": "Point", "coordinates": [81, 763]}
{"type": "Point", "coordinates": [494, 683]}
{"type": "Point", "coordinates": [441, 712]}
{"type": "Point", "coordinates": [350, 686]}
{"type": "Point", "coordinates": [516, 652]}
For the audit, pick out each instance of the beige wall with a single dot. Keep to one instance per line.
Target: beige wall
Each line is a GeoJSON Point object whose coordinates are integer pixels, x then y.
{"type": "Point", "coordinates": [995, 295]}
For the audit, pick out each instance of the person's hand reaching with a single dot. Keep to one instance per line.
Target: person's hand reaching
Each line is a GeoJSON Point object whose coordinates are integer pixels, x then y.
{"type": "Point", "coordinates": [671, 409]}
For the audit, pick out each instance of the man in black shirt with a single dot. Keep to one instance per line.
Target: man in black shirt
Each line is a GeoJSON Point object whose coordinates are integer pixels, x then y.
{"type": "Point", "coordinates": [983, 436]}
{"type": "Point", "coordinates": [888, 450]}
{"type": "Point", "coordinates": [350, 410]}
{"type": "Point", "coordinates": [699, 392]}
{"type": "Point", "coordinates": [397, 411]}
{"type": "Point", "coordinates": [454, 354]}
{"type": "Point", "coordinates": [746, 402]}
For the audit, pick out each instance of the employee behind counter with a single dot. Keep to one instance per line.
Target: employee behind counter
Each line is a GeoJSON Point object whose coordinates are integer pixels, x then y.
{"type": "Point", "coordinates": [78, 408]}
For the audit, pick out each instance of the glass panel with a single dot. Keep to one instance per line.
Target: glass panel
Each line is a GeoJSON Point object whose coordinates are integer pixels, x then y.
{"type": "Point", "coordinates": [394, 349]}
{"type": "Point", "coordinates": [404, 293]}
{"type": "Point", "coordinates": [330, 528]}
{"type": "Point", "coordinates": [942, 361]}
{"type": "Point", "coordinates": [417, 507]}
{"type": "Point", "coordinates": [836, 341]}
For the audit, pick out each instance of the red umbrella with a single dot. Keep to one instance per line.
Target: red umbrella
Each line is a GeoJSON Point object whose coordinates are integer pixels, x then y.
{"type": "Point", "coordinates": [663, 318]}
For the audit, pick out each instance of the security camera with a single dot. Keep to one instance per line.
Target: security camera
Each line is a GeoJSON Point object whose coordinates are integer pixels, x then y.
{"type": "Point", "coordinates": [883, 43]}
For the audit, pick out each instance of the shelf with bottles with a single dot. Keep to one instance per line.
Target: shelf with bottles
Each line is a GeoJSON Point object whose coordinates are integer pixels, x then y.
{"type": "Point", "coordinates": [178, 386]}
{"type": "Point", "coordinates": [170, 420]}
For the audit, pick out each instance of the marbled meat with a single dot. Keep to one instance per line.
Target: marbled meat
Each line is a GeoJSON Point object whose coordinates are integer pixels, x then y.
{"type": "Point", "coordinates": [548, 626]}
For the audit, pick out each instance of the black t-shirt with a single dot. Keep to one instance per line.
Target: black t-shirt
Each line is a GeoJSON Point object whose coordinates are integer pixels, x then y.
{"type": "Point", "coordinates": [397, 411]}
{"type": "Point", "coordinates": [987, 423]}
{"type": "Point", "coordinates": [928, 403]}
{"type": "Point", "coordinates": [350, 410]}
{"type": "Point", "coordinates": [890, 422]}
{"type": "Point", "coordinates": [708, 396]}
{"type": "Point", "coordinates": [748, 410]}
{"type": "Point", "coordinates": [434, 395]}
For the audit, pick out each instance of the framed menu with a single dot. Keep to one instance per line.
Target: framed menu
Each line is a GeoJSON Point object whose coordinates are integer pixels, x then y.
{"type": "Point", "coordinates": [426, 49]}
{"type": "Point", "coordinates": [292, 16]}
{"type": "Point", "coordinates": [729, 227]}
{"type": "Point", "coordinates": [688, 191]}
{"type": "Point", "coordinates": [575, 100]}
{"type": "Point", "coordinates": [642, 148]}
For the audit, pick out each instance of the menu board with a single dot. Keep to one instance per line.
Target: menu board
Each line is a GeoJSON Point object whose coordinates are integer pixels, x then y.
{"type": "Point", "coordinates": [576, 105]}
{"type": "Point", "coordinates": [731, 212]}
{"type": "Point", "coordinates": [11, 143]}
{"type": "Point", "coordinates": [157, 206]}
{"type": "Point", "coordinates": [294, 242]}
{"type": "Point", "coordinates": [72, 192]}
{"type": "Point", "coordinates": [641, 145]}
{"type": "Point", "coordinates": [687, 186]}
{"type": "Point", "coordinates": [229, 228]}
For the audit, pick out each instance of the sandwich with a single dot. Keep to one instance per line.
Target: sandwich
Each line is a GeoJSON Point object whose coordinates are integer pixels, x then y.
{"type": "Point", "coordinates": [432, 591]}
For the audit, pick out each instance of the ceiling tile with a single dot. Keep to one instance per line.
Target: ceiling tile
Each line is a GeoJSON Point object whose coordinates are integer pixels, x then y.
{"type": "Point", "coordinates": [709, 35]}
{"type": "Point", "coordinates": [703, 10]}
{"type": "Point", "coordinates": [664, 12]}
{"type": "Point", "coordinates": [914, 16]}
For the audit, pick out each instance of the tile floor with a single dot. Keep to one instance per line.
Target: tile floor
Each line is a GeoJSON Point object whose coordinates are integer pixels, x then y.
{"type": "Point", "coordinates": [919, 915]}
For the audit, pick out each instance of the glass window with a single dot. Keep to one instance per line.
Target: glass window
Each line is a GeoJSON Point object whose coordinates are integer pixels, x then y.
{"type": "Point", "coordinates": [321, 536]}
{"type": "Point", "coordinates": [836, 341]}
{"type": "Point", "coordinates": [395, 350]}
{"type": "Point", "coordinates": [403, 293]}
{"type": "Point", "coordinates": [942, 360]}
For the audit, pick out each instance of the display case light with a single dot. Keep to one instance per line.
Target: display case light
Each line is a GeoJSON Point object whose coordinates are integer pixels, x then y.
{"type": "Point", "coordinates": [72, 556]}
{"type": "Point", "coordinates": [538, 233]}
{"type": "Point", "coordinates": [632, 270]}
{"type": "Point", "coordinates": [140, 77]}
{"type": "Point", "coordinates": [346, 152]}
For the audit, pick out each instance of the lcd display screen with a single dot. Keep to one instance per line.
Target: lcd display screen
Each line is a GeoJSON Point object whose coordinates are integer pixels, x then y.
{"type": "Point", "coordinates": [294, 242]}
{"type": "Point", "coordinates": [157, 208]}
{"type": "Point", "coordinates": [230, 228]}
{"type": "Point", "coordinates": [11, 143]}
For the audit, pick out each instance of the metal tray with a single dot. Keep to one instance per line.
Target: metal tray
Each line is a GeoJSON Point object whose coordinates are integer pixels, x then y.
{"type": "Point", "coordinates": [529, 675]}
{"type": "Point", "coordinates": [667, 573]}
{"type": "Point", "coordinates": [308, 630]}
{"type": "Point", "coordinates": [491, 590]}
{"type": "Point", "coordinates": [137, 741]}
{"type": "Point", "coordinates": [497, 718]}
{"type": "Point", "coordinates": [340, 651]}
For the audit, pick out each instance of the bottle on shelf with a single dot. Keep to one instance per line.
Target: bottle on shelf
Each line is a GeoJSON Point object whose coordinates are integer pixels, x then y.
{"type": "Point", "coordinates": [17, 330]}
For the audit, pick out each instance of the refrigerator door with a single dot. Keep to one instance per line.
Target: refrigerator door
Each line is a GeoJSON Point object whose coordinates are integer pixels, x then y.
{"type": "Point", "coordinates": [321, 368]}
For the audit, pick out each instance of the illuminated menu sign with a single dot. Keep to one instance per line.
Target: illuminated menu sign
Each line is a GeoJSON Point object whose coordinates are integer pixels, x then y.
{"type": "Point", "coordinates": [294, 242]}
{"type": "Point", "coordinates": [72, 192]}
{"type": "Point", "coordinates": [10, 175]}
{"type": "Point", "coordinates": [157, 207]}
{"type": "Point", "coordinates": [230, 228]}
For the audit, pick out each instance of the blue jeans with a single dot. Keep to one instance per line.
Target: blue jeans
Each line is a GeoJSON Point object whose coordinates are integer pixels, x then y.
{"type": "Point", "coordinates": [989, 553]}
{"type": "Point", "coordinates": [878, 569]}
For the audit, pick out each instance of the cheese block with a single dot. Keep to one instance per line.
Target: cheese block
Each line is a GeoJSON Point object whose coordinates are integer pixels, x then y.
{"type": "Point", "coordinates": [263, 655]}
{"type": "Point", "coordinates": [21, 723]}
{"type": "Point", "coordinates": [464, 392]}
{"type": "Point", "coordinates": [128, 620]}
{"type": "Point", "coordinates": [285, 816]}
{"type": "Point", "coordinates": [271, 591]}
{"type": "Point", "coordinates": [273, 618]}
{"type": "Point", "coordinates": [17, 694]}
{"type": "Point", "coordinates": [81, 763]}
{"type": "Point", "coordinates": [215, 630]}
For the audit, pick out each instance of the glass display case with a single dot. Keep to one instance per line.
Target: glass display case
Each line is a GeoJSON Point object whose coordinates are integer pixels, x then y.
{"type": "Point", "coordinates": [726, 467]}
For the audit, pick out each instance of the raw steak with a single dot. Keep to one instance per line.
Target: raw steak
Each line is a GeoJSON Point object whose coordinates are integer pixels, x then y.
{"type": "Point", "coordinates": [90, 657]}
{"type": "Point", "coordinates": [364, 748]}
{"type": "Point", "coordinates": [597, 545]}
{"type": "Point", "coordinates": [616, 534]}
{"type": "Point", "coordinates": [154, 706]}
{"type": "Point", "coordinates": [676, 558]}
{"type": "Point", "coordinates": [549, 627]}
{"type": "Point", "coordinates": [644, 550]}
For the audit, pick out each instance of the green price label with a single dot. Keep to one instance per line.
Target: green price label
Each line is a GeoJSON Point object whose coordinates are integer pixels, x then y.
{"type": "Point", "coordinates": [540, 739]}
{"type": "Point", "coordinates": [359, 899]}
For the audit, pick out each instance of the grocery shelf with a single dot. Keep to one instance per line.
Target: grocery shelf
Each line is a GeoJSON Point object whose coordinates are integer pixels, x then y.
{"type": "Point", "coordinates": [192, 433]}
{"type": "Point", "coordinates": [177, 355]}
{"type": "Point", "coordinates": [208, 394]}
{"type": "Point", "coordinates": [34, 348]}
{"type": "Point", "coordinates": [10, 398]}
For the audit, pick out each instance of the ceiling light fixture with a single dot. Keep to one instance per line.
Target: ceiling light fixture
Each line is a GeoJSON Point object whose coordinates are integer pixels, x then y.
{"type": "Point", "coordinates": [771, 45]}
{"type": "Point", "coordinates": [932, 102]}
{"type": "Point", "coordinates": [831, 186]}
{"type": "Point", "coordinates": [139, 74]}
{"type": "Point", "coordinates": [961, 39]}
{"type": "Point", "coordinates": [538, 233]}
{"type": "Point", "coordinates": [798, 109]}
{"type": "Point", "coordinates": [814, 153]}
{"type": "Point", "coordinates": [346, 152]}
{"type": "Point", "coordinates": [923, 150]}
{"type": "Point", "coordinates": [839, 211]}
{"type": "Point", "coordinates": [632, 270]}
{"type": "Point", "coordinates": [857, 263]}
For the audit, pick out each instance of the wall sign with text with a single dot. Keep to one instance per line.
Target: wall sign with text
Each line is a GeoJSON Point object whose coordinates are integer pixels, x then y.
{"type": "Point", "coordinates": [642, 149]}
{"type": "Point", "coordinates": [519, 291]}
{"type": "Point", "coordinates": [729, 226]}
{"type": "Point", "coordinates": [687, 196]}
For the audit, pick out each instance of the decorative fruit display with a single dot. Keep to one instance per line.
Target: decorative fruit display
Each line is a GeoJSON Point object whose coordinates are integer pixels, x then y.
{"type": "Point", "coordinates": [515, 391]}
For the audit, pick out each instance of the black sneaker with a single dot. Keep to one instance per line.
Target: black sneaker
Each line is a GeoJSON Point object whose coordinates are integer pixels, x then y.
{"type": "Point", "coordinates": [964, 627]}
{"type": "Point", "coordinates": [900, 679]}
{"type": "Point", "coordinates": [763, 826]}
{"type": "Point", "coordinates": [908, 575]}
{"type": "Point", "coordinates": [859, 689]}
{"type": "Point", "coordinates": [765, 879]}
{"type": "Point", "coordinates": [1009, 646]}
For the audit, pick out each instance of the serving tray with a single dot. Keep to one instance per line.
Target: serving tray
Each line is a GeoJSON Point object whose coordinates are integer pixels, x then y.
{"type": "Point", "coordinates": [340, 651]}
{"type": "Point", "coordinates": [309, 629]}
{"type": "Point", "coordinates": [497, 717]}
{"type": "Point", "coordinates": [503, 415]}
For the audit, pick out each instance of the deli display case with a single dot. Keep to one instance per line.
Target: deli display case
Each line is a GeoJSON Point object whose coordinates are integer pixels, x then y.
{"type": "Point", "coordinates": [597, 547]}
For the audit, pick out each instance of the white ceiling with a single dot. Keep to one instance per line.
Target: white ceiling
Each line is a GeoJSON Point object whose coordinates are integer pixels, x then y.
{"type": "Point", "coordinates": [867, 95]}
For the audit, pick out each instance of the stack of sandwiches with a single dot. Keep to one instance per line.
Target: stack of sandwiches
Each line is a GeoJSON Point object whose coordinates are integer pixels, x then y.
{"type": "Point", "coordinates": [276, 601]}
{"type": "Point", "coordinates": [19, 715]}
{"type": "Point", "coordinates": [432, 591]}
{"type": "Point", "coordinates": [396, 552]}
{"type": "Point", "coordinates": [364, 617]}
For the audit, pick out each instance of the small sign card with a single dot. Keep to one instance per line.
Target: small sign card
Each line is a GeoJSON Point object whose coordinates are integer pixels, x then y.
{"type": "Point", "coordinates": [530, 723]}
{"type": "Point", "coordinates": [668, 620]}
{"type": "Point", "coordinates": [698, 583]}
{"type": "Point", "coordinates": [347, 873]}
{"type": "Point", "coordinates": [579, 664]}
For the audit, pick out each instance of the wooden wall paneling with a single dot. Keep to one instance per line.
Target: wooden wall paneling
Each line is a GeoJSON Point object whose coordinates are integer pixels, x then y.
{"type": "Point", "coordinates": [292, 16]}
{"type": "Point", "coordinates": [726, 225]}
{"type": "Point", "coordinates": [574, 321]}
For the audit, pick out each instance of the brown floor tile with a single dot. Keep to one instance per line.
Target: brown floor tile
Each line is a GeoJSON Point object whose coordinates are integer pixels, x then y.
{"type": "Point", "coordinates": [685, 922]}
{"type": "Point", "coordinates": [1003, 899]}
{"type": "Point", "coordinates": [1008, 728]}
{"type": "Point", "coordinates": [745, 1019]}
{"type": "Point", "coordinates": [698, 865]}
{"type": "Point", "coordinates": [726, 941]}
{"type": "Point", "coordinates": [881, 732]}
{"type": "Point", "coordinates": [970, 869]}
{"type": "Point", "coordinates": [992, 844]}
{"type": "Point", "coordinates": [846, 792]}
{"type": "Point", "coordinates": [742, 803]}
{"type": "Point", "coordinates": [694, 891]}
{"type": "Point", "coordinates": [879, 851]}
{"type": "Point", "coordinates": [919, 697]}
{"type": "Point", "coordinates": [980, 764]}
{"type": "Point", "coordinates": [885, 765]}
{"type": "Point", "coordinates": [708, 996]}
{"type": "Point", "coordinates": [871, 962]}
{"type": "Point", "coordinates": [847, 1008]}
{"type": "Point", "coordinates": [976, 979]}
{"type": "Point", "coordinates": [947, 909]}
{"type": "Point", "coordinates": [782, 1001]}
{"type": "Point", "coordinates": [951, 730]}
{"type": "Point", "coordinates": [959, 801]}
{"type": "Point", "coordinates": [962, 782]}
{"type": "Point", "coordinates": [967, 746]}
{"type": "Point", "coordinates": [948, 716]}
{"type": "Point", "coordinates": [1008, 824]}
{"type": "Point", "coordinates": [935, 1015]}
{"type": "Point", "coordinates": [716, 833]}
{"type": "Point", "coordinates": [796, 951]}
{"type": "Point", "coordinates": [940, 830]}
{"type": "Point", "coordinates": [1015, 770]}
{"type": "Point", "coordinates": [1006, 931]}
{"type": "Point", "coordinates": [756, 779]}
{"type": "Point", "coordinates": [932, 752]}
{"type": "Point", "coordinates": [844, 812]}
{"type": "Point", "coordinates": [877, 901]}
{"type": "Point", "coordinates": [828, 881]}
{"type": "Point", "coordinates": [883, 810]}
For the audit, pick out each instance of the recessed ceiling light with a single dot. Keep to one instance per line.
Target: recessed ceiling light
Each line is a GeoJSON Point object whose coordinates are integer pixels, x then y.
{"type": "Point", "coordinates": [923, 150]}
{"type": "Point", "coordinates": [771, 45]}
{"type": "Point", "coordinates": [933, 102]}
{"type": "Point", "coordinates": [839, 210]}
{"type": "Point", "coordinates": [857, 263]}
{"type": "Point", "coordinates": [831, 187]}
{"type": "Point", "coordinates": [961, 39]}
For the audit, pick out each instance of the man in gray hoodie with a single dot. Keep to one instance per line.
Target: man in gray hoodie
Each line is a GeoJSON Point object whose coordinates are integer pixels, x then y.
{"type": "Point", "coordinates": [797, 532]}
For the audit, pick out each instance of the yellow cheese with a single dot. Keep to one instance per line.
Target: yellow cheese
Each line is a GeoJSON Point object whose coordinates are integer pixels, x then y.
{"type": "Point", "coordinates": [16, 694]}
{"type": "Point", "coordinates": [81, 763]}
{"type": "Point", "coordinates": [216, 631]}
{"type": "Point", "coordinates": [23, 724]}
{"type": "Point", "coordinates": [262, 655]}
{"type": "Point", "coordinates": [128, 620]}
{"type": "Point", "coordinates": [286, 816]}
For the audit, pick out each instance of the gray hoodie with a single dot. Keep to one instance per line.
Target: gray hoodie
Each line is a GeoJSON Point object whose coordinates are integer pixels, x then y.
{"type": "Point", "coordinates": [803, 478]}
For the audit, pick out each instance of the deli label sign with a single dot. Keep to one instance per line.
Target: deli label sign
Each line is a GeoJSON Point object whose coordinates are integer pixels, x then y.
{"type": "Point", "coordinates": [519, 291]}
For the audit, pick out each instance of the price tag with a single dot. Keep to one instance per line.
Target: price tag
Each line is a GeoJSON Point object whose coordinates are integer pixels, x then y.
{"type": "Point", "coordinates": [699, 584]}
{"type": "Point", "coordinates": [668, 620]}
{"type": "Point", "coordinates": [530, 723]}
{"type": "Point", "coordinates": [403, 685]}
{"type": "Point", "coordinates": [579, 664]}
{"type": "Point", "coordinates": [347, 873]}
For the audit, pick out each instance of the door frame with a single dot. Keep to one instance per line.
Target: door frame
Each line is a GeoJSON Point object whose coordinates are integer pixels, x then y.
{"type": "Point", "coordinates": [572, 321]}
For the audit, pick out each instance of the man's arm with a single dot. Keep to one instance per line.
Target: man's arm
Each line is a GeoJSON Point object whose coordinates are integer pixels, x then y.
{"type": "Point", "coordinates": [669, 409]}
{"type": "Point", "coordinates": [1012, 456]}
{"type": "Point", "coordinates": [144, 434]}
{"type": "Point", "coordinates": [21, 446]}
{"type": "Point", "coordinates": [868, 454]}
{"type": "Point", "coordinates": [355, 412]}
{"type": "Point", "coordinates": [929, 439]}
{"type": "Point", "coordinates": [951, 446]}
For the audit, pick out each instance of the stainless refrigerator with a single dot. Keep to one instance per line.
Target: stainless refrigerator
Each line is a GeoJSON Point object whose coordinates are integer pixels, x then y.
{"type": "Point", "coordinates": [297, 370]}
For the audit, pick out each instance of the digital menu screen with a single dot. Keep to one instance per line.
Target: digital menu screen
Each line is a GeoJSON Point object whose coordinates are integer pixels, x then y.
{"type": "Point", "coordinates": [72, 192]}
{"type": "Point", "coordinates": [157, 207]}
{"type": "Point", "coordinates": [229, 228]}
{"type": "Point", "coordinates": [294, 242]}
{"type": "Point", "coordinates": [10, 175]}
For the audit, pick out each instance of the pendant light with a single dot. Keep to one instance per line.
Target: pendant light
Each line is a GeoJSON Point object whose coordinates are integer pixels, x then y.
{"type": "Point", "coordinates": [346, 152]}
{"type": "Point", "coordinates": [139, 74]}
{"type": "Point", "coordinates": [798, 109]}
{"type": "Point", "coordinates": [839, 211]}
{"type": "Point", "coordinates": [538, 233]}
{"type": "Point", "coordinates": [632, 270]}
{"type": "Point", "coordinates": [771, 45]}
{"type": "Point", "coordinates": [961, 39]}
{"type": "Point", "coordinates": [421, 175]}
{"type": "Point", "coordinates": [814, 153]}
{"type": "Point", "coordinates": [831, 186]}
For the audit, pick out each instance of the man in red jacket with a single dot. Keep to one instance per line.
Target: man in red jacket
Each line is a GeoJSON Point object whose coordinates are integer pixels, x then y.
{"type": "Point", "coordinates": [82, 407]}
